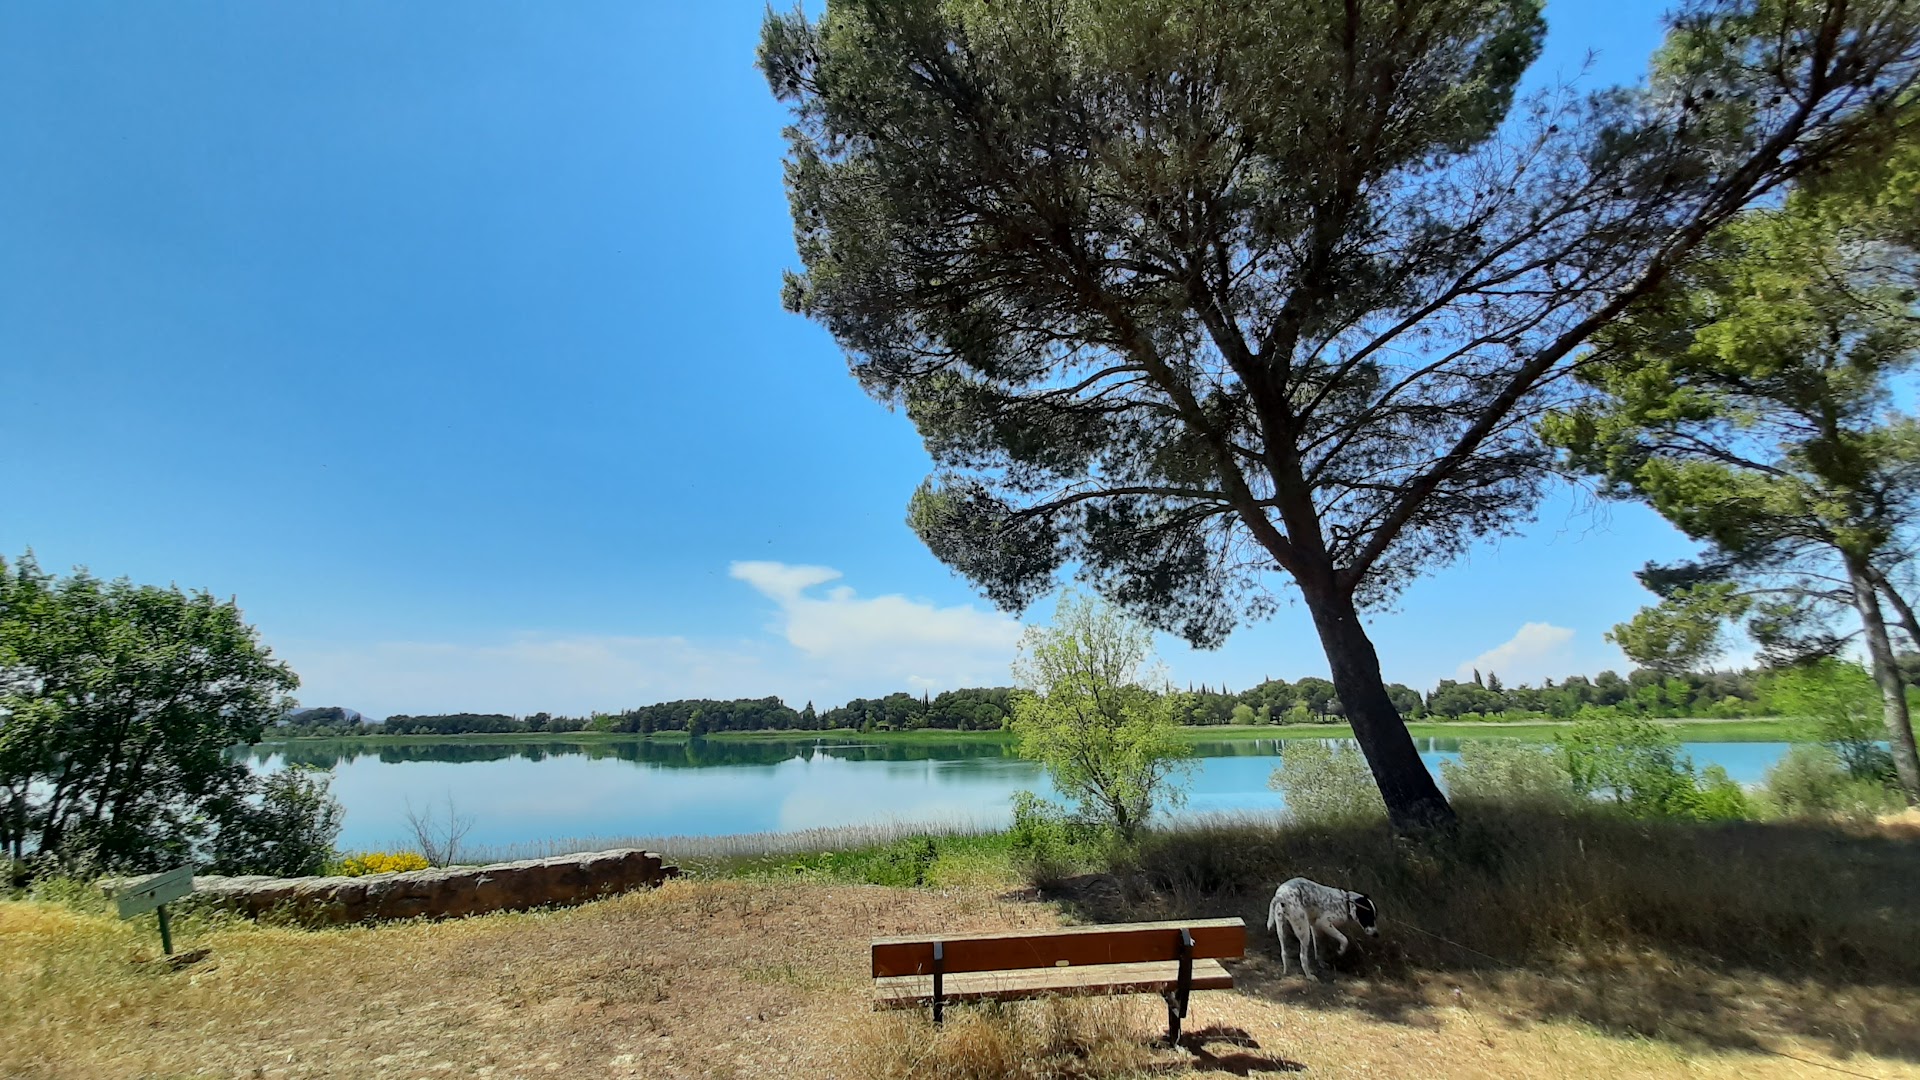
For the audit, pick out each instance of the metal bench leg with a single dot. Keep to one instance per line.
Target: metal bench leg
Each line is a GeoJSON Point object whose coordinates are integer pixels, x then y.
{"type": "Point", "coordinates": [939, 973]}
{"type": "Point", "coordinates": [1178, 997]}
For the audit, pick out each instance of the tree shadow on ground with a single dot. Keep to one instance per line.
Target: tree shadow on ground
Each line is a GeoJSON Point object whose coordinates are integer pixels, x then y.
{"type": "Point", "coordinates": [1721, 937]}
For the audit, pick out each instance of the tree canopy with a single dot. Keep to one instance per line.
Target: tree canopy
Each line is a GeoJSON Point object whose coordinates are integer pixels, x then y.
{"type": "Point", "coordinates": [1750, 400]}
{"type": "Point", "coordinates": [118, 703]}
{"type": "Point", "coordinates": [1184, 292]}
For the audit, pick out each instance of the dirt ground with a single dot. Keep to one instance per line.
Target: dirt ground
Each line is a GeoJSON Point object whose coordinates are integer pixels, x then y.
{"type": "Point", "coordinates": [727, 979]}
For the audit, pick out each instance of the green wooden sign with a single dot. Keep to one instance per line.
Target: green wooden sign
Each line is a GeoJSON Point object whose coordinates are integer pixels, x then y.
{"type": "Point", "coordinates": [148, 893]}
{"type": "Point", "coordinates": [153, 894]}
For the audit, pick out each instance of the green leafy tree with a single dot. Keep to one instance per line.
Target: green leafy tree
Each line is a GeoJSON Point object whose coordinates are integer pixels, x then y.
{"type": "Point", "coordinates": [1750, 402]}
{"type": "Point", "coordinates": [1189, 292]}
{"type": "Point", "coordinates": [1095, 711]}
{"type": "Point", "coordinates": [1406, 700]}
{"type": "Point", "coordinates": [118, 703]}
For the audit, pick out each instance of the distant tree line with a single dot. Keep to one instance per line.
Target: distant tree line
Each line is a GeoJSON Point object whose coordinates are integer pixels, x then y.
{"type": "Point", "coordinates": [1642, 692]}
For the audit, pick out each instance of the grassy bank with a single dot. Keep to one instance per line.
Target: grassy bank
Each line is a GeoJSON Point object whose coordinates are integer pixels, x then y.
{"type": "Point", "coordinates": [1525, 946]}
{"type": "Point", "coordinates": [1742, 730]}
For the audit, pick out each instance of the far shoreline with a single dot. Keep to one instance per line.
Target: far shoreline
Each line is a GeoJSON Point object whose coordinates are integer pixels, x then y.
{"type": "Point", "coordinates": [1771, 729]}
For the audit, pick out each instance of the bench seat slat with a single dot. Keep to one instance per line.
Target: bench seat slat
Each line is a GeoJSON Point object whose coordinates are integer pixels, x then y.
{"type": "Point", "coordinates": [911, 991]}
{"type": "Point", "coordinates": [1079, 946]}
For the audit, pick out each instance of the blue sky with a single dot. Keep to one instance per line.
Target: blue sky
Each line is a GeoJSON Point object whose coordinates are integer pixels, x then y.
{"type": "Point", "coordinates": [448, 339]}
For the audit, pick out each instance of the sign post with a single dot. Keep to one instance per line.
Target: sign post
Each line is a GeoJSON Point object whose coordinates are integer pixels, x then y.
{"type": "Point", "coordinates": [153, 894]}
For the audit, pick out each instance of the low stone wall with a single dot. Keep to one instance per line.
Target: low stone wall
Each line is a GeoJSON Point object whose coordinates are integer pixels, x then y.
{"type": "Point", "coordinates": [442, 893]}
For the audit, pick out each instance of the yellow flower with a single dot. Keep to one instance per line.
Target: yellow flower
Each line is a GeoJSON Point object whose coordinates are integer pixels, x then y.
{"type": "Point", "coordinates": [381, 862]}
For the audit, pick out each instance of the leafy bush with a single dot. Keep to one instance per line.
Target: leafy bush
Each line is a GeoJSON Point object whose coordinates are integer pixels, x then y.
{"type": "Point", "coordinates": [1636, 764]}
{"type": "Point", "coordinates": [903, 863]}
{"type": "Point", "coordinates": [1842, 704]}
{"type": "Point", "coordinates": [1048, 843]}
{"type": "Point", "coordinates": [1720, 797]}
{"type": "Point", "coordinates": [1505, 770]}
{"type": "Point", "coordinates": [379, 862]}
{"type": "Point", "coordinates": [118, 704]}
{"type": "Point", "coordinates": [1326, 783]}
{"type": "Point", "coordinates": [286, 830]}
{"type": "Point", "coordinates": [1814, 782]}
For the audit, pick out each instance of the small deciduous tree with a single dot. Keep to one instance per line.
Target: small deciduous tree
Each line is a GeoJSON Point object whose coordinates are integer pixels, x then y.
{"type": "Point", "coordinates": [1096, 711]}
{"type": "Point", "coordinates": [118, 703]}
{"type": "Point", "coordinates": [1191, 292]}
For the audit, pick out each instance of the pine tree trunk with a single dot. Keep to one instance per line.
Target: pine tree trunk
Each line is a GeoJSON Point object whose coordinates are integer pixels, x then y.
{"type": "Point", "coordinates": [1903, 611]}
{"type": "Point", "coordinates": [1866, 599]}
{"type": "Point", "coordinates": [1413, 798]}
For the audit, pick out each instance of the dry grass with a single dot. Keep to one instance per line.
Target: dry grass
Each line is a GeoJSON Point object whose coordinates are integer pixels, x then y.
{"type": "Point", "coordinates": [768, 978]}
{"type": "Point", "coordinates": [696, 979]}
{"type": "Point", "coordinates": [1704, 937]}
{"type": "Point", "coordinates": [1053, 1039]}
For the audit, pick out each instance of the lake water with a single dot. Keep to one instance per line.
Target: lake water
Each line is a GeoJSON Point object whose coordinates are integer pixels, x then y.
{"type": "Point", "coordinates": [525, 793]}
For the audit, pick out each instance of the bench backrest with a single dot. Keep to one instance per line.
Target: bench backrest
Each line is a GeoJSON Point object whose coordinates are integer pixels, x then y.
{"type": "Point", "coordinates": [1073, 946]}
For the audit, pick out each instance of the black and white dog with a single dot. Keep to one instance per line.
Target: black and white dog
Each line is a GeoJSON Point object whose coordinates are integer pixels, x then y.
{"type": "Point", "coordinates": [1308, 908]}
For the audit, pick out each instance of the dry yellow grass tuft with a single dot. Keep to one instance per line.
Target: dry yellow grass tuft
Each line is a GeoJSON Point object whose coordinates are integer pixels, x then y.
{"type": "Point", "coordinates": [1052, 1039]}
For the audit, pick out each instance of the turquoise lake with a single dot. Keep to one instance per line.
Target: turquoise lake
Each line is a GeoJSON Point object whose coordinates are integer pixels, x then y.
{"type": "Point", "coordinates": [523, 794]}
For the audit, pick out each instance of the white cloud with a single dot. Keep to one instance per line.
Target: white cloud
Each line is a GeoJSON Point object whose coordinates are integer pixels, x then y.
{"type": "Point", "coordinates": [884, 637]}
{"type": "Point", "coordinates": [1538, 651]}
{"type": "Point", "coordinates": [831, 645]}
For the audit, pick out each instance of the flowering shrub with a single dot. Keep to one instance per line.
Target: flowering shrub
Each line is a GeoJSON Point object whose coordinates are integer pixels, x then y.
{"type": "Point", "coordinates": [380, 862]}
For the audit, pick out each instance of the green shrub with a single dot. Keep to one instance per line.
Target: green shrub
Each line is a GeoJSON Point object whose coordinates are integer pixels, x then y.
{"type": "Point", "coordinates": [1049, 844]}
{"type": "Point", "coordinates": [1633, 763]}
{"type": "Point", "coordinates": [1636, 766]}
{"type": "Point", "coordinates": [1506, 770]}
{"type": "Point", "coordinates": [1720, 798]}
{"type": "Point", "coordinates": [1814, 782]}
{"type": "Point", "coordinates": [1842, 704]}
{"type": "Point", "coordinates": [902, 863]}
{"type": "Point", "coordinates": [1805, 782]}
{"type": "Point", "coordinates": [287, 830]}
{"type": "Point", "coordinates": [1326, 783]}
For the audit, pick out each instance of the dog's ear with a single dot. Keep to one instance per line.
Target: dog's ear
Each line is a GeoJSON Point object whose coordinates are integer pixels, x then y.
{"type": "Point", "coordinates": [1363, 909]}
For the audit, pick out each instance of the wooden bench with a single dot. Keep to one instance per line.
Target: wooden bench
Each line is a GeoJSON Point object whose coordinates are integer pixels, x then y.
{"type": "Point", "coordinates": [1171, 959]}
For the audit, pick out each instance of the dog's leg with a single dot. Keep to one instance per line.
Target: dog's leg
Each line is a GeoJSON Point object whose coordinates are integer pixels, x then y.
{"type": "Point", "coordinates": [1330, 928]}
{"type": "Point", "coordinates": [1280, 931]}
{"type": "Point", "coordinates": [1309, 948]}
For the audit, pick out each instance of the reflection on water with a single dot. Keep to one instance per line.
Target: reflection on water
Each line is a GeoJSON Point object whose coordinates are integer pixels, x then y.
{"type": "Point", "coordinates": [524, 792]}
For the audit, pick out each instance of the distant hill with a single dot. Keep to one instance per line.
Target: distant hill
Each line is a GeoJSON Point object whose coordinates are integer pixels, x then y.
{"type": "Point", "coordinates": [326, 716]}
